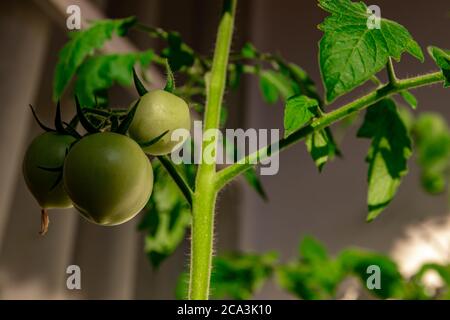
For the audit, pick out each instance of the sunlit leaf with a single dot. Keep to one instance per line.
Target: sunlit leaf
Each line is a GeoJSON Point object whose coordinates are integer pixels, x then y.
{"type": "Point", "coordinates": [299, 111]}
{"type": "Point", "coordinates": [81, 45]}
{"type": "Point", "coordinates": [388, 154]}
{"type": "Point", "coordinates": [101, 72]}
{"type": "Point", "coordinates": [442, 59]}
{"type": "Point", "coordinates": [350, 52]}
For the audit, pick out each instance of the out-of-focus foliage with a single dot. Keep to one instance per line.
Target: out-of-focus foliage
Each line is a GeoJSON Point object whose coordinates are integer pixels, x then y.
{"type": "Point", "coordinates": [99, 73]}
{"type": "Point", "coordinates": [356, 262]}
{"type": "Point", "coordinates": [167, 215]}
{"type": "Point", "coordinates": [432, 141]}
{"type": "Point", "coordinates": [81, 45]}
{"type": "Point", "coordinates": [239, 276]}
{"type": "Point", "coordinates": [387, 156]}
{"type": "Point", "coordinates": [314, 274]}
{"type": "Point", "coordinates": [235, 275]}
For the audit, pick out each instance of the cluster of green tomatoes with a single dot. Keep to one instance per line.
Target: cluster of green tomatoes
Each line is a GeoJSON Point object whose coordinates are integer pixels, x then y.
{"type": "Point", "coordinates": [105, 174]}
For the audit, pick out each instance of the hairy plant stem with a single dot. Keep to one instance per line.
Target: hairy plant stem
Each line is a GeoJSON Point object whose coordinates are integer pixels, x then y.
{"type": "Point", "coordinates": [391, 72]}
{"type": "Point", "coordinates": [204, 199]}
{"type": "Point", "coordinates": [229, 173]}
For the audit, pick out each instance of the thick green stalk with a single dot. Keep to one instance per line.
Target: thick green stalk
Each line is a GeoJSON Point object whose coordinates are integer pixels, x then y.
{"type": "Point", "coordinates": [205, 192]}
{"type": "Point", "coordinates": [229, 173]}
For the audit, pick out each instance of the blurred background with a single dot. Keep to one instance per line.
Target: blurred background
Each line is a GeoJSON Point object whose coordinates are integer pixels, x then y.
{"type": "Point", "coordinates": [330, 206]}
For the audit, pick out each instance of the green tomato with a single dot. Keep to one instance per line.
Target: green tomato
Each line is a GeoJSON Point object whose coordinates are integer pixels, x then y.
{"type": "Point", "coordinates": [157, 112]}
{"type": "Point", "coordinates": [108, 178]}
{"type": "Point", "coordinates": [48, 151]}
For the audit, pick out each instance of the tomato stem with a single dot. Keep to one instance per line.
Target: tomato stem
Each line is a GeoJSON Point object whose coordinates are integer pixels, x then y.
{"type": "Point", "coordinates": [44, 222]}
{"type": "Point", "coordinates": [177, 177]}
{"type": "Point", "coordinates": [205, 192]}
{"type": "Point", "coordinates": [391, 72]}
{"type": "Point", "coordinates": [231, 172]}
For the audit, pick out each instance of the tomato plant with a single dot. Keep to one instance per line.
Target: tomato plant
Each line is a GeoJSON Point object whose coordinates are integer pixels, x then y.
{"type": "Point", "coordinates": [108, 178]}
{"type": "Point", "coordinates": [315, 274]}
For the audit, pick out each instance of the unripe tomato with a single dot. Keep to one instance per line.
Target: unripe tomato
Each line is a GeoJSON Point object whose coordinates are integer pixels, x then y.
{"type": "Point", "coordinates": [157, 112]}
{"type": "Point", "coordinates": [108, 178]}
{"type": "Point", "coordinates": [47, 151]}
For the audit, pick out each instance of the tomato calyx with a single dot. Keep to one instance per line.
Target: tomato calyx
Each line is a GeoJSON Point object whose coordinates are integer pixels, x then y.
{"type": "Point", "coordinates": [39, 122]}
{"type": "Point", "coordinates": [125, 124]}
{"type": "Point", "coordinates": [170, 81]}
{"type": "Point", "coordinates": [85, 122]}
{"type": "Point", "coordinates": [61, 127]}
{"type": "Point", "coordinates": [140, 88]}
{"type": "Point", "coordinates": [153, 141]}
{"type": "Point", "coordinates": [56, 169]}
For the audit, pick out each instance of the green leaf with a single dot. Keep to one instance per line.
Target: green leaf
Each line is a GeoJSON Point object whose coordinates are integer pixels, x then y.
{"type": "Point", "coordinates": [250, 175]}
{"type": "Point", "coordinates": [81, 45]}
{"type": "Point", "coordinates": [182, 287]}
{"type": "Point", "coordinates": [170, 82]}
{"type": "Point", "coordinates": [234, 75]}
{"type": "Point", "coordinates": [273, 85]}
{"type": "Point", "coordinates": [299, 111]}
{"type": "Point", "coordinates": [253, 180]}
{"type": "Point", "coordinates": [321, 147]}
{"type": "Point", "coordinates": [249, 51]}
{"type": "Point", "coordinates": [409, 98]}
{"type": "Point", "coordinates": [178, 53]}
{"type": "Point", "coordinates": [442, 58]}
{"type": "Point", "coordinates": [442, 270]}
{"type": "Point", "coordinates": [239, 276]}
{"type": "Point", "coordinates": [236, 276]}
{"type": "Point", "coordinates": [350, 53]}
{"type": "Point", "coordinates": [387, 156]}
{"type": "Point", "coordinates": [167, 216]}
{"type": "Point", "coordinates": [432, 140]}
{"type": "Point", "coordinates": [312, 251]}
{"type": "Point", "coordinates": [101, 72]}
{"type": "Point", "coordinates": [302, 82]}
{"type": "Point", "coordinates": [311, 281]}
{"type": "Point", "coordinates": [314, 275]}
{"type": "Point", "coordinates": [356, 262]}
{"type": "Point", "coordinates": [223, 116]}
